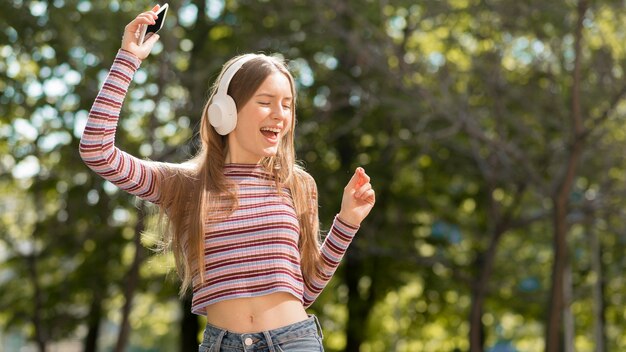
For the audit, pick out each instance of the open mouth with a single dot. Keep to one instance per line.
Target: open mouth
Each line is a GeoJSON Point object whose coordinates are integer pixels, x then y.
{"type": "Point", "coordinates": [270, 132]}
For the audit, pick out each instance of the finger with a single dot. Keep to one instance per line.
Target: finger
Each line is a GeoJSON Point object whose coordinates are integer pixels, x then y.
{"type": "Point", "coordinates": [353, 183]}
{"type": "Point", "coordinates": [363, 177]}
{"type": "Point", "coordinates": [156, 8]}
{"type": "Point", "coordinates": [153, 39]}
{"type": "Point", "coordinates": [148, 16]}
{"type": "Point", "coordinates": [366, 187]}
{"type": "Point", "coordinates": [138, 21]}
{"type": "Point", "coordinates": [370, 197]}
{"type": "Point", "coordinates": [150, 12]}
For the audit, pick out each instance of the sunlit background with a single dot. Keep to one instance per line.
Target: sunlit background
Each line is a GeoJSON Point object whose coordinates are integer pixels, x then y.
{"type": "Point", "coordinates": [493, 131]}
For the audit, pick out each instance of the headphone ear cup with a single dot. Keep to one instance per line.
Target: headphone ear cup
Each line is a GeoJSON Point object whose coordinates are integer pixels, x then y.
{"type": "Point", "coordinates": [223, 114]}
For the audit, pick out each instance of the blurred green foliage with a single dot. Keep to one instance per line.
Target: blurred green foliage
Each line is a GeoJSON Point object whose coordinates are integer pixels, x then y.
{"type": "Point", "coordinates": [460, 110]}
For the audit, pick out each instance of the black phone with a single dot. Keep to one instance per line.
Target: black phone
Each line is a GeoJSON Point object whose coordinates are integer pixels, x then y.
{"type": "Point", "coordinates": [148, 30]}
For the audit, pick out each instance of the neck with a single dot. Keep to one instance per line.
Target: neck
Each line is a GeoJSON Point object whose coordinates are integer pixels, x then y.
{"type": "Point", "coordinates": [234, 159]}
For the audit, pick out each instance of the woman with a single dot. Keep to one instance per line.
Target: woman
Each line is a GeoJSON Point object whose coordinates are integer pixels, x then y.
{"type": "Point", "coordinates": [242, 215]}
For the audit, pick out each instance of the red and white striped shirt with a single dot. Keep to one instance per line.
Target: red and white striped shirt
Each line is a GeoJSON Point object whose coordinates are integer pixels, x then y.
{"type": "Point", "coordinates": [252, 252]}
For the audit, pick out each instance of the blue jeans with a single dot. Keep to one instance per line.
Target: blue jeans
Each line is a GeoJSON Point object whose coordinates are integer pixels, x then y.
{"type": "Point", "coordinates": [304, 336]}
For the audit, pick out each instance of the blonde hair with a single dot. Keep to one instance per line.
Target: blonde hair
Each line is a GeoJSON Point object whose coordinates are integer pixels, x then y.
{"type": "Point", "coordinates": [199, 187]}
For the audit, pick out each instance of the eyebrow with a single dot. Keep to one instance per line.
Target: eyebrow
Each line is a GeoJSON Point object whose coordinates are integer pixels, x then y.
{"type": "Point", "coordinates": [270, 96]}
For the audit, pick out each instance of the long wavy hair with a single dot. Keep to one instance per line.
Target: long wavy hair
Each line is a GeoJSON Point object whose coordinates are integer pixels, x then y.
{"type": "Point", "coordinates": [198, 186]}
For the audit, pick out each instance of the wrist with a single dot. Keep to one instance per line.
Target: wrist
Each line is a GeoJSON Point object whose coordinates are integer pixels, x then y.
{"type": "Point", "coordinates": [348, 220]}
{"type": "Point", "coordinates": [130, 52]}
{"type": "Point", "coordinates": [132, 61]}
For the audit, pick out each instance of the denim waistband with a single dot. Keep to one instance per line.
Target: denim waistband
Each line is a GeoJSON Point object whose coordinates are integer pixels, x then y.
{"type": "Point", "coordinates": [264, 339]}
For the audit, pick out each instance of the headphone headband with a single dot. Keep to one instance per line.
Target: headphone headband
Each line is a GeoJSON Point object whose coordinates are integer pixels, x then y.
{"type": "Point", "coordinates": [222, 89]}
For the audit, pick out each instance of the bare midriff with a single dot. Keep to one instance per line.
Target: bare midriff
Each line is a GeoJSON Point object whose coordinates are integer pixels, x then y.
{"type": "Point", "coordinates": [256, 314]}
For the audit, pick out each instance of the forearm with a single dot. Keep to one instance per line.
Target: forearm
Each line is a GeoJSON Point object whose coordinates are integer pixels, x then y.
{"type": "Point", "coordinates": [332, 251]}
{"type": "Point", "coordinates": [97, 144]}
{"type": "Point", "coordinates": [99, 135]}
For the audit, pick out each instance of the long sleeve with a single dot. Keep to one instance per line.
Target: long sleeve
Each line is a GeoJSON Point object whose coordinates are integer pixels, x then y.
{"type": "Point", "coordinates": [331, 252]}
{"type": "Point", "coordinates": [97, 145]}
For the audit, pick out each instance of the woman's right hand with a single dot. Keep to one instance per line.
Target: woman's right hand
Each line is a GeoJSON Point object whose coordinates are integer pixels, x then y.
{"type": "Point", "coordinates": [131, 34]}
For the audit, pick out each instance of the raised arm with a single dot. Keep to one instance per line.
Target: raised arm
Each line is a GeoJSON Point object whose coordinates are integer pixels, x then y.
{"type": "Point", "coordinates": [358, 199]}
{"type": "Point", "coordinates": [97, 145]}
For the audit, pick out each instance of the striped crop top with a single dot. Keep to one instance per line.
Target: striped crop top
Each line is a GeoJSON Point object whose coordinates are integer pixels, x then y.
{"type": "Point", "coordinates": [252, 252]}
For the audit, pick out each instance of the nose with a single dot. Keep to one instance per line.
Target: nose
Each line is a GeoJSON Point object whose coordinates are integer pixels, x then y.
{"type": "Point", "coordinates": [280, 112]}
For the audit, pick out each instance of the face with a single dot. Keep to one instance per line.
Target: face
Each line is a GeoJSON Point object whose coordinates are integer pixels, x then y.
{"type": "Point", "coordinates": [262, 122]}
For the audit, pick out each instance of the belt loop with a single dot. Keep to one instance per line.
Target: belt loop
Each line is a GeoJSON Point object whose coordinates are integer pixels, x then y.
{"type": "Point", "coordinates": [218, 341]}
{"type": "Point", "coordinates": [270, 343]}
{"type": "Point", "coordinates": [319, 326]}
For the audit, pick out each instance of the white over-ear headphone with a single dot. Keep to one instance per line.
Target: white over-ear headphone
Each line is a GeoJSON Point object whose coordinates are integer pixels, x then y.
{"type": "Point", "coordinates": [223, 110]}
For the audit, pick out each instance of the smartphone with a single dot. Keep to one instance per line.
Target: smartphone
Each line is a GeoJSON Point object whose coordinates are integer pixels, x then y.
{"type": "Point", "coordinates": [148, 30]}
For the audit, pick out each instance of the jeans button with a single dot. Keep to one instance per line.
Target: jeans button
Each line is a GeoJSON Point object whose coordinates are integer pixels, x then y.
{"type": "Point", "coordinates": [248, 341]}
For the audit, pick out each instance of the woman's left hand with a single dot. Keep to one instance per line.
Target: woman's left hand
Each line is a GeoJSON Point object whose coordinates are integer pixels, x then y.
{"type": "Point", "coordinates": [358, 198]}
{"type": "Point", "coordinates": [131, 34]}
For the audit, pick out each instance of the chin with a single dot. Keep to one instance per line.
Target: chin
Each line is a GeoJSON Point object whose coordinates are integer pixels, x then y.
{"type": "Point", "coordinates": [270, 152]}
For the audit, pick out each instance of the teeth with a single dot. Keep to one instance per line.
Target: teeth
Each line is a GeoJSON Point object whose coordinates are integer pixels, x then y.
{"type": "Point", "coordinates": [275, 130]}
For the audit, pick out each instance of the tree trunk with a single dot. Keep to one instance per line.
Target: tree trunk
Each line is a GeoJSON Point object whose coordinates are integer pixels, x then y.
{"type": "Point", "coordinates": [555, 307]}
{"type": "Point", "coordinates": [132, 281]}
{"type": "Point", "coordinates": [569, 331]}
{"type": "Point", "coordinates": [358, 308]}
{"type": "Point", "coordinates": [33, 271]}
{"type": "Point", "coordinates": [560, 199]}
{"type": "Point", "coordinates": [188, 327]}
{"type": "Point", "coordinates": [484, 263]}
{"type": "Point", "coordinates": [40, 338]}
{"type": "Point", "coordinates": [93, 324]}
{"type": "Point", "coordinates": [479, 292]}
{"type": "Point", "coordinates": [477, 333]}
{"type": "Point", "coordinates": [597, 292]}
